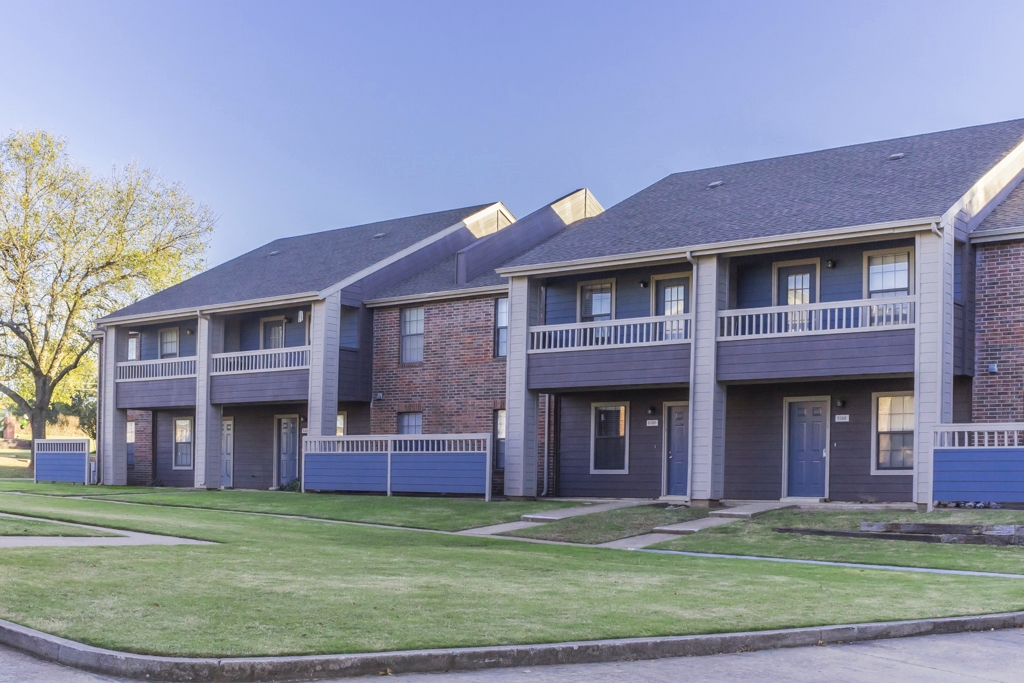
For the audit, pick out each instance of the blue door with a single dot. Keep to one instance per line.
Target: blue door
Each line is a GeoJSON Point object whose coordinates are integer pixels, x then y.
{"type": "Point", "coordinates": [807, 427]}
{"type": "Point", "coordinates": [678, 449]}
{"type": "Point", "coordinates": [288, 449]}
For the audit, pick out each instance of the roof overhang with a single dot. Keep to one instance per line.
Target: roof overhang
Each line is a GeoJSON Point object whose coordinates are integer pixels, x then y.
{"type": "Point", "coordinates": [232, 307]}
{"type": "Point", "coordinates": [752, 246]}
{"type": "Point", "coordinates": [998, 235]}
{"type": "Point", "coordinates": [447, 295]}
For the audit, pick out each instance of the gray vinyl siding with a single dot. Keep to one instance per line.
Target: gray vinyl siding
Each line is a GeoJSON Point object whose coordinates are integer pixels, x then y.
{"type": "Point", "coordinates": [157, 393]}
{"type": "Point", "coordinates": [631, 300]}
{"type": "Point", "coordinates": [260, 387]}
{"type": "Point", "coordinates": [355, 366]}
{"type": "Point", "coordinates": [963, 312]}
{"type": "Point", "coordinates": [163, 439]}
{"type": "Point", "coordinates": [963, 397]}
{"type": "Point", "coordinates": [754, 441]}
{"type": "Point", "coordinates": [826, 355]}
{"type": "Point", "coordinates": [643, 365]}
{"type": "Point", "coordinates": [844, 282]}
{"type": "Point", "coordinates": [348, 331]}
{"type": "Point", "coordinates": [645, 445]}
{"type": "Point", "coordinates": [242, 332]}
{"type": "Point", "coordinates": [66, 467]}
{"type": "Point", "coordinates": [358, 416]}
{"type": "Point", "coordinates": [254, 442]}
{"type": "Point", "coordinates": [149, 338]}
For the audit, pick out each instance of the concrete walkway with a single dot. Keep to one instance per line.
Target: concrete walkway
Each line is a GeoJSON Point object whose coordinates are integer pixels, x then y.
{"type": "Point", "coordinates": [750, 510]}
{"type": "Point", "coordinates": [122, 537]}
{"type": "Point", "coordinates": [566, 513]}
{"type": "Point", "coordinates": [498, 528]}
{"type": "Point", "coordinates": [694, 525]}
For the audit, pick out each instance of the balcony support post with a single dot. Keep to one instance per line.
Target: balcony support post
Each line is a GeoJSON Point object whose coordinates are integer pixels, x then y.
{"type": "Point", "coordinates": [707, 395]}
{"type": "Point", "coordinates": [521, 403]}
{"type": "Point", "coordinates": [206, 435]}
{"type": "Point", "coordinates": [324, 332]}
{"type": "Point", "coordinates": [113, 441]}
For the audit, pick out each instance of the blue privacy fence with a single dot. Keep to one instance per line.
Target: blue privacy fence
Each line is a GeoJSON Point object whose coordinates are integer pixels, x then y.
{"type": "Point", "coordinates": [65, 460]}
{"type": "Point", "coordinates": [979, 462]}
{"type": "Point", "coordinates": [421, 463]}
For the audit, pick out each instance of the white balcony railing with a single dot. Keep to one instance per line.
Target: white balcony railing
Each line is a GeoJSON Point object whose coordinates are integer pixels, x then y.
{"type": "Point", "coordinates": [611, 333]}
{"type": "Point", "coordinates": [164, 368]}
{"type": "Point", "coordinates": [267, 360]}
{"type": "Point", "coordinates": [991, 435]}
{"type": "Point", "coordinates": [829, 318]}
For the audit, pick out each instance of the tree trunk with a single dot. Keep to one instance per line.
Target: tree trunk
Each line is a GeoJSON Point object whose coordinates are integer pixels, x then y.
{"type": "Point", "coordinates": [37, 418]}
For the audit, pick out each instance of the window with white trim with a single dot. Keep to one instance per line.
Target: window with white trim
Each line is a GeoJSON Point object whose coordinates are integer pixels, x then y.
{"type": "Point", "coordinates": [341, 424]}
{"type": "Point", "coordinates": [889, 275]}
{"type": "Point", "coordinates": [410, 423]}
{"type": "Point", "coordinates": [609, 445]}
{"type": "Point", "coordinates": [182, 444]}
{"type": "Point", "coordinates": [273, 333]}
{"type": "Point", "coordinates": [596, 302]}
{"type": "Point", "coordinates": [501, 327]}
{"type": "Point", "coordinates": [412, 335]}
{"type": "Point", "coordinates": [169, 343]}
{"type": "Point", "coordinates": [134, 350]}
{"type": "Point", "coordinates": [894, 432]}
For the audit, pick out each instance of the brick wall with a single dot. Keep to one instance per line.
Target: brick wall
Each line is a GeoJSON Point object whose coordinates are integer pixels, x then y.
{"type": "Point", "coordinates": [999, 325]}
{"type": "Point", "coordinates": [142, 473]}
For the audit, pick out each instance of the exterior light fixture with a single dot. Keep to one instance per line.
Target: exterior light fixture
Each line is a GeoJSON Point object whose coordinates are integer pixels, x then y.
{"type": "Point", "coordinates": [643, 284]}
{"type": "Point", "coordinates": [830, 263]}
{"type": "Point", "coordinates": [840, 403]}
{"type": "Point", "coordinates": [652, 410]}
{"type": "Point", "coordinates": [993, 368]}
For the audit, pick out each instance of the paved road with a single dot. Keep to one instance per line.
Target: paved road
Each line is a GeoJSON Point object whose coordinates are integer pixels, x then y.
{"type": "Point", "coordinates": [963, 657]}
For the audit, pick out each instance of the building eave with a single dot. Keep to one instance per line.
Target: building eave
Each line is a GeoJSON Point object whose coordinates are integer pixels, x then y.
{"type": "Point", "coordinates": [999, 235]}
{"type": "Point", "coordinates": [231, 307]}
{"type": "Point", "coordinates": [446, 295]}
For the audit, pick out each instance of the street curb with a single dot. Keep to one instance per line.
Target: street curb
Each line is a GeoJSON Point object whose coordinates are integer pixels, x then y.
{"type": "Point", "coordinates": [238, 670]}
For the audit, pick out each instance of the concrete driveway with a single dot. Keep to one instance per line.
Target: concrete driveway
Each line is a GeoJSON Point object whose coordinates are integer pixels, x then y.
{"type": "Point", "coordinates": [968, 657]}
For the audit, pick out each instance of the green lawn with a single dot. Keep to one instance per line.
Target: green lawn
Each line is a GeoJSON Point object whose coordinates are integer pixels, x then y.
{"type": "Point", "coordinates": [48, 489]}
{"type": "Point", "coordinates": [14, 464]}
{"type": "Point", "coordinates": [755, 537]}
{"type": "Point", "coordinates": [10, 526]}
{"type": "Point", "coordinates": [276, 586]}
{"type": "Point", "coordinates": [443, 514]}
{"type": "Point", "coordinates": [602, 527]}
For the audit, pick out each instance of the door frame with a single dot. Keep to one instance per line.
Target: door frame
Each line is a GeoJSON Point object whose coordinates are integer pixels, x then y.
{"type": "Point", "coordinates": [277, 448]}
{"type": "Point", "coordinates": [785, 439]}
{"type": "Point", "coordinates": [231, 419]}
{"type": "Point", "coordinates": [816, 262]}
{"type": "Point", "coordinates": [664, 447]}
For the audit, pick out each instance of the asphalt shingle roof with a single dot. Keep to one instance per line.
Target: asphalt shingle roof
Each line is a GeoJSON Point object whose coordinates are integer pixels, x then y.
{"type": "Point", "coordinates": [441, 277]}
{"type": "Point", "coordinates": [1008, 214]}
{"type": "Point", "coordinates": [833, 188]}
{"type": "Point", "coordinates": [294, 265]}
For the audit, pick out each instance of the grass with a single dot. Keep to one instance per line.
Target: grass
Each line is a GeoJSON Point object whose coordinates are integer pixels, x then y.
{"type": "Point", "coordinates": [10, 526]}
{"type": "Point", "coordinates": [755, 537]}
{"type": "Point", "coordinates": [612, 525]}
{"type": "Point", "coordinates": [49, 489]}
{"type": "Point", "coordinates": [14, 464]}
{"type": "Point", "coordinates": [275, 586]}
{"type": "Point", "coordinates": [442, 514]}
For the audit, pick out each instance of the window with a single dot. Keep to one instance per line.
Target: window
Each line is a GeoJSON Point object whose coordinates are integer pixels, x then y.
{"type": "Point", "coordinates": [798, 289]}
{"type": "Point", "coordinates": [499, 439]}
{"type": "Point", "coordinates": [888, 274]}
{"type": "Point", "coordinates": [169, 343]}
{"type": "Point", "coordinates": [609, 445]}
{"type": "Point", "coordinates": [133, 346]}
{"type": "Point", "coordinates": [894, 433]}
{"type": "Point", "coordinates": [130, 440]}
{"type": "Point", "coordinates": [182, 444]}
{"type": "Point", "coordinates": [341, 424]}
{"type": "Point", "coordinates": [596, 301]}
{"type": "Point", "coordinates": [501, 327]}
{"type": "Point", "coordinates": [410, 423]}
{"type": "Point", "coordinates": [412, 335]}
{"type": "Point", "coordinates": [273, 333]}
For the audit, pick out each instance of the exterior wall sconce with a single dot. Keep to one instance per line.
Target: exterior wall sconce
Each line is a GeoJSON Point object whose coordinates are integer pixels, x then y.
{"type": "Point", "coordinates": [652, 410]}
{"type": "Point", "coordinates": [302, 316]}
{"type": "Point", "coordinates": [643, 284]}
{"type": "Point", "coordinates": [830, 263]}
{"type": "Point", "coordinates": [188, 333]}
{"type": "Point", "coordinates": [840, 403]}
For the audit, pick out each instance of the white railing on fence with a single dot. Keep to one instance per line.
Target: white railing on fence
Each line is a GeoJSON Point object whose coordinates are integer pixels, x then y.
{"type": "Point", "coordinates": [62, 445]}
{"type": "Point", "coordinates": [611, 333]}
{"type": "Point", "coordinates": [401, 443]}
{"type": "Point", "coordinates": [165, 368]}
{"type": "Point", "coordinates": [288, 358]}
{"type": "Point", "coordinates": [63, 449]}
{"type": "Point", "coordinates": [828, 318]}
{"type": "Point", "coordinates": [981, 435]}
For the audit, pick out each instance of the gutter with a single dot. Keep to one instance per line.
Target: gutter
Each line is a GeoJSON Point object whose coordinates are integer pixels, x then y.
{"type": "Point", "coordinates": [999, 235]}
{"type": "Point", "coordinates": [239, 306]}
{"type": "Point", "coordinates": [436, 296]}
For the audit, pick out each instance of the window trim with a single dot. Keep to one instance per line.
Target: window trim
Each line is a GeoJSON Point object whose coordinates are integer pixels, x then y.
{"type": "Point", "coordinates": [342, 414]}
{"type": "Point", "coordinates": [263, 334]}
{"type": "Point", "coordinates": [579, 295]}
{"type": "Point", "coordinates": [138, 346]}
{"type": "Point", "coordinates": [686, 274]}
{"type": "Point", "coordinates": [398, 422]}
{"type": "Point", "coordinates": [497, 329]}
{"type": "Point", "coordinates": [911, 269]}
{"type": "Point", "coordinates": [175, 442]}
{"type": "Point", "coordinates": [402, 335]}
{"type": "Point", "coordinates": [875, 470]}
{"type": "Point", "coordinates": [816, 261]}
{"type": "Point", "coordinates": [160, 342]}
{"type": "Point", "coordinates": [593, 437]}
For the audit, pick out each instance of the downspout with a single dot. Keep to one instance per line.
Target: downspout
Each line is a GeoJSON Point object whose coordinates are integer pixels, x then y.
{"type": "Point", "coordinates": [935, 229]}
{"type": "Point", "coordinates": [547, 424]}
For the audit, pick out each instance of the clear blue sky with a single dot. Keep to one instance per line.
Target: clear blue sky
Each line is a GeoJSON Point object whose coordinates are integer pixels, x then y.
{"type": "Point", "coordinates": [293, 117]}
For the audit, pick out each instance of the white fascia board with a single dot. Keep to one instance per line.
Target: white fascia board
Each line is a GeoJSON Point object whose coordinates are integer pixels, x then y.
{"type": "Point", "coordinates": [999, 235]}
{"type": "Point", "coordinates": [770, 243]}
{"type": "Point", "coordinates": [446, 295]}
{"type": "Point", "coordinates": [195, 311]}
{"type": "Point", "coordinates": [990, 189]}
{"type": "Point", "coordinates": [495, 208]}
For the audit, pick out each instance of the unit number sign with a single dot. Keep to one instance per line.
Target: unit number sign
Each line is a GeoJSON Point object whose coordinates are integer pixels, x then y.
{"type": "Point", "coordinates": [842, 418]}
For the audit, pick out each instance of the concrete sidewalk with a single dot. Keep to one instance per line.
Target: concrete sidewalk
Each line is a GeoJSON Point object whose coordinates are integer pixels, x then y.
{"type": "Point", "coordinates": [122, 537]}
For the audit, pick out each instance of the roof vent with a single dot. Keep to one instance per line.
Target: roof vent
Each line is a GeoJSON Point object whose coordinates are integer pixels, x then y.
{"type": "Point", "coordinates": [897, 156]}
{"type": "Point", "coordinates": [274, 253]}
{"type": "Point", "coordinates": [379, 235]}
{"type": "Point", "coordinates": [717, 183]}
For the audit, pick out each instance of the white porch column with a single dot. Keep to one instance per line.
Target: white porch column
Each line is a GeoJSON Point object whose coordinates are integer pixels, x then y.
{"type": "Point", "coordinates": [520, 402]}
{"type": "Point", "coordinates": [324, 331]}
{"type": "Point", "coordinates": [933, 378]}
{"type": "Point", "coordinates": [206, 439]}
{"type": "Point", "coordinates": [113, 436]}
{"type": "Point", "coordinates": [707, 396]}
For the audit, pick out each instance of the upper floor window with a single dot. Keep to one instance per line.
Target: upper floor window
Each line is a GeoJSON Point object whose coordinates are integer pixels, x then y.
{"type": "Point", "coordinates": [888, 274]}
{"type": "Point", "coordinates": [169, 343]}
{"type": "Point", "coordinates": [412, 335]}
{"type": "Point", "coordinates": [341, 425]}
{"type": "Point", "coordinates": [671, 295]}
{"type": "Point", "coordinates": [273, 333]}
{"type": "Point", "coordinates": [410, 423]}
{"type": "Point", "coordinates": [796, 282]}
{"type": "Point", "coordinates": [596, 300]}
{"type": "Point", "coordinates": [134, 350]}
{"type": "Point", "coordinates": [501, 327]}
{"type": "Point", "coordinates": [894, 432]}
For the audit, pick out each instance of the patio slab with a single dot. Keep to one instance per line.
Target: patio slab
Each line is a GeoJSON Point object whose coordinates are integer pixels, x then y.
{"type": "Point", "coordinates": [751, 510]}
{"type": "Point", "coordinates": [694, 525]}
{"type": "Point", "coordinates": [566, 513]}
{"type": "Point", "coordinates": [637, 542]}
